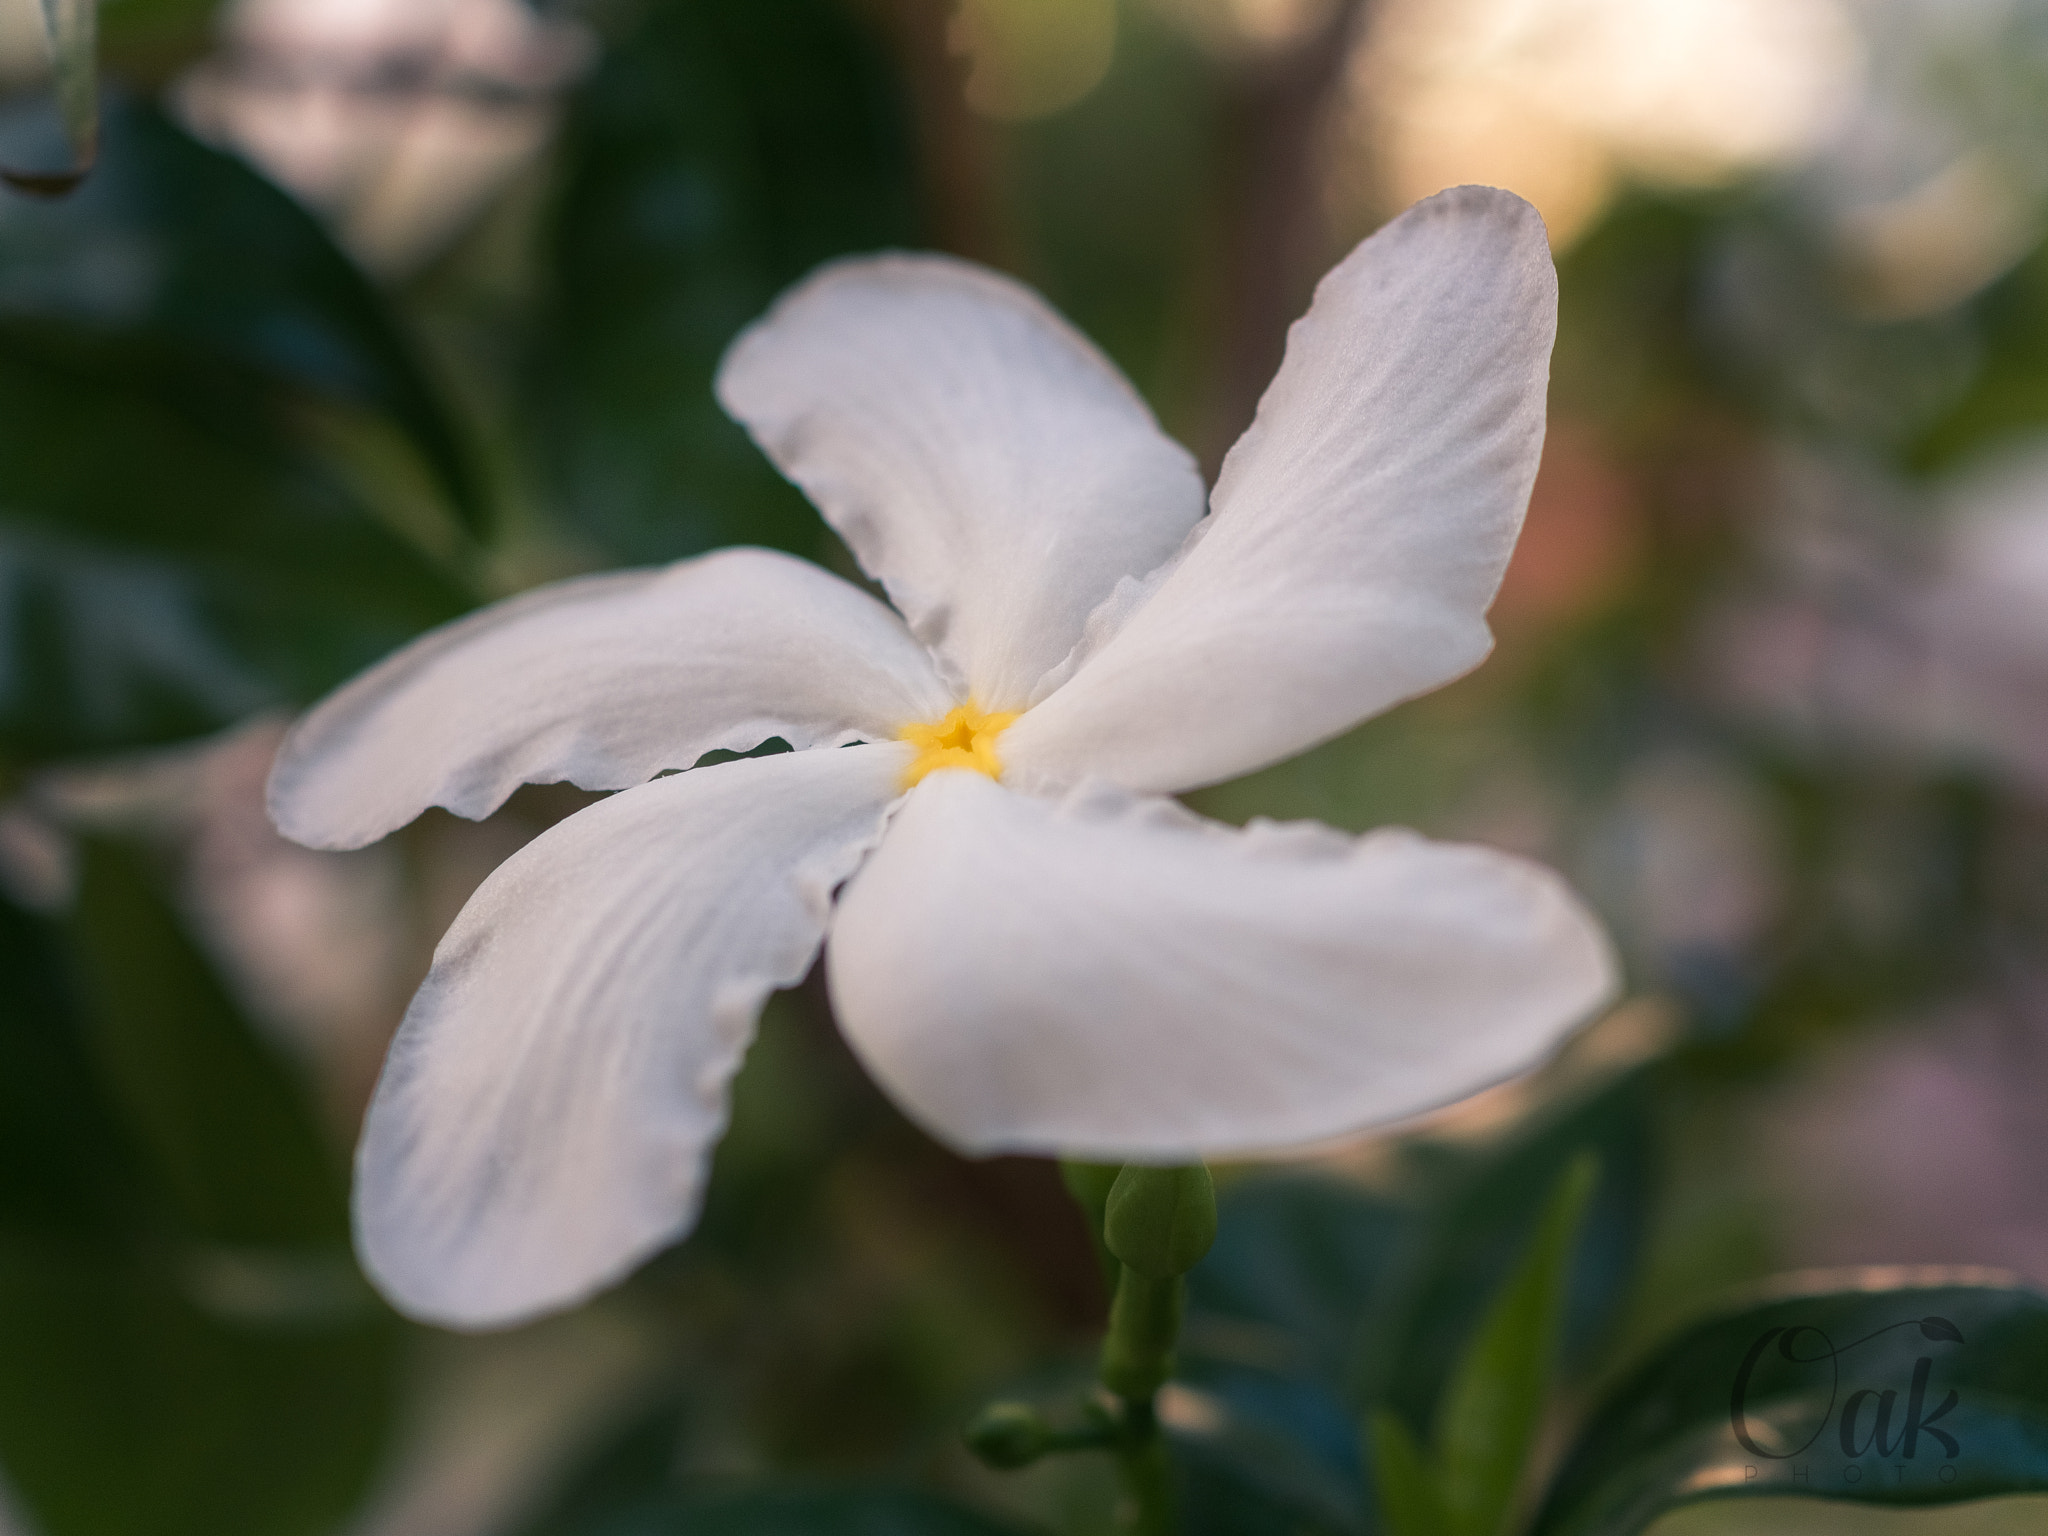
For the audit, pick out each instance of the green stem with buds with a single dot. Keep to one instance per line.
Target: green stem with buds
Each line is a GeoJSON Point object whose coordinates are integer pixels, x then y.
{"type": "Point", "coordinates": [1157, 1222]}
{"type": "Point", "coordinates": [1137, 1359]}
{"type": "Point", "coordinates": [1151, 1226]}
{"type": "Point", "coordinates": [1144, 1325]}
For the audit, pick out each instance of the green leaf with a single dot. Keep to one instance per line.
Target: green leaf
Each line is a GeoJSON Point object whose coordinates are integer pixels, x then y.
{"type": "Point", "coordinates": [185, 249]}
{"type": "Point", "coordinates": [1487, 1419]}
{"type": "Point", "coordinates": [185, 1346]}
{"type": "Point", "coordinates": [1299, 1262]}
{"type": "Point", "coordinates": [1274, 1312]}
{"type": "Point", "coordinates": [1409, 1504]}
{"type": "Point", "coordinates": [67, 1165]}
{"type": "Point", "coordinates": [228, 1133]}
{"type": "Point", "coordinates": [169, 563]}
{"type": "Point", "coordinates": [722, 150]}
{"type": "Point", "coordinates": [1472, 1226]}
{"type": "Point", "coordinates": [1759, 1400]}
{"type": "Point", "coordinates": [1317, 1292]}
{"type": "Point", "coordinates": [133, 1404]}
{"type": "Point", "coordinates": [1249, 1469]}
{"type": "Point", "coordinates": [181, 350]}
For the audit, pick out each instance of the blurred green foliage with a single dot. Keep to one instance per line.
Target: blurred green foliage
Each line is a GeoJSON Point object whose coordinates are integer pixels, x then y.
{"type": "Point", "coordinates": [719, 153]}
{"type": "Point", "coordinates": [188, 1345]}
{"type": "Point", "coordinates": [176, 548]}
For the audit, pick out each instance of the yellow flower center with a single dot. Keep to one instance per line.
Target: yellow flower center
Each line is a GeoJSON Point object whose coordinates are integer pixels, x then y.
{"type": "Point", "coordinates": [965, 738]}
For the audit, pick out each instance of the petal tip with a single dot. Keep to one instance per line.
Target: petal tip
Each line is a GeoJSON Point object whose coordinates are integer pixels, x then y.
{"type": "Point", "coordinates": [1487, 201]}
{"type": "Point", "coordinates": [495, 1303]}
{"type": "Point", "coordinates": [287, 801]}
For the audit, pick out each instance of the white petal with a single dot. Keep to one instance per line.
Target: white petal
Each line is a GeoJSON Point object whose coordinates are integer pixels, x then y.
{"type": "Point", "coordinates": [603, 681]}
{"type": "Point", "coordinates": [547, 1111]}
{"type": "Point", "coordinates": [986, 464]}
{"type": "Point", "coordinates": [1112, 977]}
{"type": "Point", "coordinates": [1360, 528]}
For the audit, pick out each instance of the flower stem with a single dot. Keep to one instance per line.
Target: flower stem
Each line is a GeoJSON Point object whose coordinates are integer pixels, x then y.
{"type": "Point", "coordinates": [1144, 1324]}
{"type": "Point", "coordinates": [1137, 1358]}
{"type": "Point", "coordinates": [1147, 1478]}
{"type": "Point", "coordinates": [1152, 1225]}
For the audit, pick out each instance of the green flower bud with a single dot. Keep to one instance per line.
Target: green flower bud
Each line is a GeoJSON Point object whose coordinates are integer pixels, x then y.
{"type": "Point", "coordinates": [1009, 1435]}
{"type": "Point", "coordinates": [1160, 1221]}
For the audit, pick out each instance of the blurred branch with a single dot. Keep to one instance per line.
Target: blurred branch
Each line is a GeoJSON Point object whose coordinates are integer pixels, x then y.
{"type": "Point", "coordinates": [1273, 212]}
{"type": "Point", "coordinates": [954, 146]}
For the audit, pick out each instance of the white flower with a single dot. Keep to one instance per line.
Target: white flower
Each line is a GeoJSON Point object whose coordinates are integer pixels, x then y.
{"type": "Point", "coordinates": [1038, 956]}
{"type": "Point", "coordinates": [399, 120]}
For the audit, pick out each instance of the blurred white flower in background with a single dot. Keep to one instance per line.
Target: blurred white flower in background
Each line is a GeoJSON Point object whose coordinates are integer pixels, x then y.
{"type": "Point", "coordinates": [36, 867]}
{"type": "Point", "coordinates": [1936, 180]}
{"type": "Point", "coordinates": [1564, 100]}
{"type": "Point", "coordinates": [1918, 636]}
{"type": "Point", "coordinates": [399, 120]}
{"type": "Point", "coordinates": [1920, 1143]}
{"type": "Point", "coordinates": [1034, 950]}
{"type": "Point", "coordinates": [1237, 28]}
{"type": "Point", "coordinates": [1908, 132]}
{"type": "Point", "coordinates": [1685, 856]}
{"type": "Point", "coordinates": [12, 1521]}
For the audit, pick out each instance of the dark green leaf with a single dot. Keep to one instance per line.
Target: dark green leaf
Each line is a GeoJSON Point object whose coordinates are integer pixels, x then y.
{"type": "Point", "coordinates": [630, 1485]}
{"type": "Point", "coordinates": [169, 559]}
{"type": "Point", "coordinates": [1309, 1278]}
{"type": "Point", "coordinates": [184, 247]}
{"type": "Point", "coordinates": [66, 1163]}
{"type": "Point", "coordinates": [1409, 1505]}
{"type": "Point", "coordinates": [1297, 1266]}
{"type": "Point", "coordinates": [131, 1407]}
{"type": "Point", "coordinates": [181, 352]}
{"type": "Point", "coordinates": [1273, 1313]}
{"type": "Point", "coordinates": [1267, 1457]}
{"type": "Point", "coordinates": [1841, 1394]}
{"type": "Point", "coordinates": [1487, 1418]}
{"type": "Point", "coordinates": [185, 1346]}
{"type": "Point", "coordinates": [1474, 1225]}
{"type": "Point", "coordinates": [226, 1129]}
{"type": "Point", "coordinates": [721, 151]}
{"type": "Point", "coordinates": [100, 652]}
